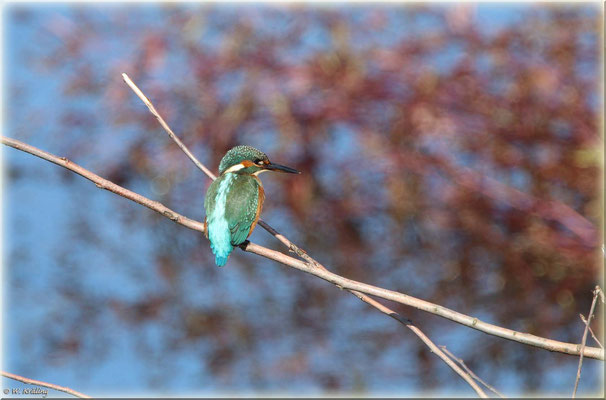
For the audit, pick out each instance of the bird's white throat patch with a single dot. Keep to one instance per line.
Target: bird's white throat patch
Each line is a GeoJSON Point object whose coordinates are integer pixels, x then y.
{"type": "Point", "coordinates": [234, 168]}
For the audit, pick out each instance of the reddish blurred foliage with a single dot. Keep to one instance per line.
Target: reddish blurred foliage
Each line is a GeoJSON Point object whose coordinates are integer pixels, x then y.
{"type": "Point", "coordinates": [455, 165]}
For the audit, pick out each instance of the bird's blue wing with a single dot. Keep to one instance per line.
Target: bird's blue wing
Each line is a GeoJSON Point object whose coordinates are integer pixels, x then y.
{"type": "Point", "coordinates": [244, 201]}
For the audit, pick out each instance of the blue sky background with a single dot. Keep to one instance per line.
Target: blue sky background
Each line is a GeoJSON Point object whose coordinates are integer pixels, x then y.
{"type": "Point", "coordinates": [42, 208]}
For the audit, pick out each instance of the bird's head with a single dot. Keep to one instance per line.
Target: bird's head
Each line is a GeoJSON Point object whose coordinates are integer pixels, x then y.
{"type": "Point", "coordinates": [247, 160]}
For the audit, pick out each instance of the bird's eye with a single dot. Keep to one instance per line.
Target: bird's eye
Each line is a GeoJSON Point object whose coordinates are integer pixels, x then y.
{"type": "Point", "coordinates": [259, 162]}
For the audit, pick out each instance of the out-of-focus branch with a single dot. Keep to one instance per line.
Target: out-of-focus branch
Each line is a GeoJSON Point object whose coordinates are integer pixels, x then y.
{"type": "Point", "coordinates": [526, 338]}
{"type": "Point", "coordinates": [470, 372]}
{"type": "Point", "coordinates": [492, 188]}
{"type": "Point", "coordinates": [44, 384]}
{"type": "Point", "coordinates": [548, 210]}
{"type": "Point", "coordinates": [596, 293]}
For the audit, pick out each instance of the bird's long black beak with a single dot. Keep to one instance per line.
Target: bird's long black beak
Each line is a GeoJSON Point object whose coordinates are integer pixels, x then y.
{"type": "Point", "coordinates": [281, 168]}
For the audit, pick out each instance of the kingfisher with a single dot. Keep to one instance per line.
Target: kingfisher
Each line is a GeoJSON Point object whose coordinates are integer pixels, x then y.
{"type": "Point", "coordinates": [234, 200]}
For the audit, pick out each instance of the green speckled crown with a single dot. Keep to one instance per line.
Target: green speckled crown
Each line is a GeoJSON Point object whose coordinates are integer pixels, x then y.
{"type": "Point", "coordinates": [238, 154]}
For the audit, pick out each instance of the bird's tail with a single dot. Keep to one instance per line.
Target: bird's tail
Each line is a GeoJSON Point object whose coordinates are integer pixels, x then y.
{"type": "Point", "coordinates": [221, 254]}
{"type": "Point", "coordinates": [220, 240]}
{"type": "Point", "coordinates": [221, 260]}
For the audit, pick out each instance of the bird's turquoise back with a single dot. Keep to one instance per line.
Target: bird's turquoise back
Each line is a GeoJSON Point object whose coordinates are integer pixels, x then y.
{"type": "Point", "coordinates": [232, 204]}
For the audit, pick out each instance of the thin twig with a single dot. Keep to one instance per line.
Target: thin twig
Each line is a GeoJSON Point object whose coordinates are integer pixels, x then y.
{"type": "Point", "coordinates": [170, 132]}
{"type": "Point", "coordinates": [596, 293]}
{"type": "Point", "coordinates": [470, 372]}
{"type": "Point", "coordinates": [44, 384]}
{"type": "Point", "coordinates": [103, 183]}
{"type": "Point", "coordinates": [591, 331]}
{"type": "Point", "coordinates": [520, 337]}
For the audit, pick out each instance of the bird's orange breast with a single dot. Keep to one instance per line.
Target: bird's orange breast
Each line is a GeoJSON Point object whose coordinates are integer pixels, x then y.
{"type": "Point", "coordinates": [261, 199]}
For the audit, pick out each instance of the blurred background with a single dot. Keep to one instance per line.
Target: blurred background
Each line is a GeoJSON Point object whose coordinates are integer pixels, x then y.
{"type": "Point", "coordinates": [452, 153]}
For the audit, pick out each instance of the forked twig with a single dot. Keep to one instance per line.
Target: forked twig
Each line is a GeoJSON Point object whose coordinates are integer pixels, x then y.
{"type": "Point", "coordinates": [596, 292]}
{"type": "Point", "coordinates": [470, 372]}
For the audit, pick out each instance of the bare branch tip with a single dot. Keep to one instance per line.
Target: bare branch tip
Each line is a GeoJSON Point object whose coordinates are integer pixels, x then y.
{"type": "Point", "coordinates": [599, 292]}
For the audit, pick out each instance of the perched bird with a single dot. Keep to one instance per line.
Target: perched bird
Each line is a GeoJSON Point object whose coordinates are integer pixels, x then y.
{"type": "Point", "coordinates": [234, 200]}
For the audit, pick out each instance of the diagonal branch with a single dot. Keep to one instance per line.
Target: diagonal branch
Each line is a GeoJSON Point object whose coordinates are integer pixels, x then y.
{"type": "Point", "coordinates": [591, 331]}
{"type": "Point", "coordinates": [170, 132]}
{"type": "Point", "coordinates": [348, 284]}
{"type": "Point", "coordinates": [44, 384]}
